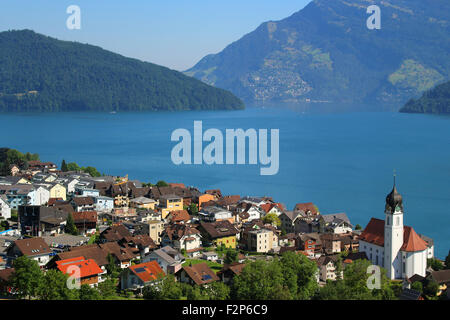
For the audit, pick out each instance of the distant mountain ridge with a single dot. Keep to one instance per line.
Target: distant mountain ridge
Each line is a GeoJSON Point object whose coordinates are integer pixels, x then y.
{"type": "Point", "coordinates": [39, 73]}
{"type": "Point", "coordinates": [435, 101]}
{"type": "Point", "coordinates": [325, 52]}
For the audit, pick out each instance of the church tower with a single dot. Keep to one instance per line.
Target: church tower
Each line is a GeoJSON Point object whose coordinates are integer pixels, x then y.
{"type": "Point", "coordinates": [393, 234]}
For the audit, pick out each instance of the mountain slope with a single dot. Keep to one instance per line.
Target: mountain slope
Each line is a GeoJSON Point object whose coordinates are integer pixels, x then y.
{"type": "Point", "coordinates": [436, 101]}
{"type": "Point", "coordinates": [326, 52]}
{"type": "Point", "coordinates": [39, 73]}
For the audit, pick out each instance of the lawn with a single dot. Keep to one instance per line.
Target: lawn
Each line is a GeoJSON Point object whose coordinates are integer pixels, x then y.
{"type": "Point", "coordinates": [216, 267]}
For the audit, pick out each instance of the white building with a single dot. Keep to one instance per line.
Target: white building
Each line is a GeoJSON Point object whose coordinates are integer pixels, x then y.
{"type": "Point", "coordinates": [390, 244]}
{"type": "Point", "coordinates": [39, 196]}
{"type": "Point", "coordinates": [104, 204]}
{"type": "Point", "coordinates": [5, 209]}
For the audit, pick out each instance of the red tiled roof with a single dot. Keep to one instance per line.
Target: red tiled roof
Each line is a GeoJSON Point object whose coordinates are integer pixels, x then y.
{"type": "Point", "coordinates": [85, 216]}
{"type": "Point", "coordinates": [374, 233]}
{"type": "Point", "coordinates": [87, 267]}
{"type": "Point", "coordinates": [179, 215]}
{"type": "Point", "coordinates": [148, 271]}
{"type": "Point", "coordinates": [305, 207]}
{"type": "Point", "coordinates": [200, 273]}
{"type": "Point", "coordinates": [411, 241]}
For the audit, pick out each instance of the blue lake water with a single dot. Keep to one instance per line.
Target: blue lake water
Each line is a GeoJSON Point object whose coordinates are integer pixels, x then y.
{"type": "Point", "coordinates": [341, 162]}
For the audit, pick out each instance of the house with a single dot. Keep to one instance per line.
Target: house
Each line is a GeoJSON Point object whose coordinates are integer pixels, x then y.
{"type": "Point", "coordinates": [5, 208]}
{"type": "Point", "coordinates": [42, 166]}
{"type": "Point", "coordinates": [82, 191]}
{"type": "Point", "coordinates": [306, 224]}
{"type": "Point", "coordinates": [56, 190]}
{"type": "Point", "coordinates": [183, 237]}
{"type": "Point", "coordinates": [260, 240]}
{"type": "Point", "coordinates": [142, 243]}
{"type": "Point", "coordinates": [93, 251]}
{"type": "Point", "coordinates": [170, 203]}
{"type": "Point", "coordinates": [214, 213]}
{"type": "Point", "coordinates": [216, 193]}
{"type": "Point", "coordinates": [103, 204]}
{"type": "Point", "coordinates": [199, 274]}
{"type": "Point", "coordinates": [89, 272]}
{"type": "Point", "coordinates": [287, 219]}
{"type": "Point", "coordinates": [410, 294]}
{"type": "Point", "coordinates": [219, 233]}
{"type": "Point", "coordinates": [14, 170]}
{"type": "Point", "coordinates": [38, 220]}
{"type": "Point", "coordinates": [18, 194]}
{"type": "Point", "coordinates": [115, 233]}
{"type": "Point", "coordinates": [5, 281]}
{"type": "Point", "coordinates": [204, 198]}
{"type": "Point", "coordinates": [33, 248]}
{"type": "Point", "coordinates": [390, 244]}
{"type": "Point", "coordinates": [83, 204]}
{"type": "Point", "coordinates": [85, 221]}
{"type": "Point", "coordinates": [307, 244]}
{"type": "Point", "coordinates": [122, 254]}
{"type": "Point", "coordinates": [210, 256]}
{"type": "Point", "coordinates": [229, 271]}
{"type": "Point", "coordinates": [143, 203]}
{"type": "Point", "coordinates": [331, 243]}
{"type": "Point", "coordinates": [309, 209]}
{"type": "Point", "coordinates": [442, 278]}
{"type": "Point", "coordinates": [335, 223]}
{"type": "Point", "coordinates": [155, 230]}
{"type": "Point", "coordinates": [141, 275]}
{"type": "Point", "coordinates": [167, 257]}
{"type": "Point", "coordinates": [275, 208]}
{"type": "Point", "coordinates": [327, 268]}
{"type": "Point", "coordinates": [253, 211]}
{"type": "Point", "coordinates": [179, 216]}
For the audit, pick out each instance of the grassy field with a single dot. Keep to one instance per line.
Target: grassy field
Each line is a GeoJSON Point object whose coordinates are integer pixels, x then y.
{"type": "Point", "coordinates": [213, 265]}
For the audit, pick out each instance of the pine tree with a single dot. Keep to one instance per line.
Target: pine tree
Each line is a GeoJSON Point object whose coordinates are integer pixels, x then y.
{"type": "Point", "coordinates": [70, 226]}
{"type": "Point", "coordinates": [64, 166]}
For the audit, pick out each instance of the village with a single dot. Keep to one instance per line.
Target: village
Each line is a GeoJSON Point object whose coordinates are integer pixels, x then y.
{"type": "Point", "coordinates": [142, 238]}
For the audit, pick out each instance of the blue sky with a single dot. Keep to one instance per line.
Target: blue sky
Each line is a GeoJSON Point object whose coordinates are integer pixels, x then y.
{"type": "Point", "coordinates": [173, 33]}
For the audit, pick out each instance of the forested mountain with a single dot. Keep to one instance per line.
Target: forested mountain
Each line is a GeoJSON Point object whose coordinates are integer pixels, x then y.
{"type": "Point", "coordinates": [39, 73]}
{"type": "Point", "coordinates": [436, 100]}
{"type": "Point", "coordinates": [325, 52]}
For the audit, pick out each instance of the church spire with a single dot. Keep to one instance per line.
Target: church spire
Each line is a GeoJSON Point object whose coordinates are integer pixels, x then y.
{"type": "Point", "coordinates": [394, 199]}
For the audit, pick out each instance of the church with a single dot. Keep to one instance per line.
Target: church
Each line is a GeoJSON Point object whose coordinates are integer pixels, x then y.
{"type": "Point", "coordinates": [393, 246]}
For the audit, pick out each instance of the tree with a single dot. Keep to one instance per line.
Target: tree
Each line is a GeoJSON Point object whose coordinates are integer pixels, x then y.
{"type": "Point", "coordinates": [27, 277]}
{"type": "Point", "coordinates": [216, 291]}
{"type": "Point", "coordinates": [447, 261]}
{"type": "Point", "coordinates": [111, 268]}
{"type": "Point", "coordinates": [162, 184]}
{"type": "Point", "coordinates": [89, 293]}
{"type": "Point", "coordinates": [300, 275]}
{"type": "Point", "coordinates": [93, 172]}
{"type": "Point", "coordinates": [418, 286]}
{"type": "Point", "coordinates": [107, 289]}
{"type": "Point", "coordinates": [231, 256]}
{"type": "Point", "coordinates": [431, 288]}
{"type": "Point", "coordinates": [64, 166]}
{"type": "Point", "coordinates": [273, 219]}
{"type": "Point", "coordinates": [193, 209]}
{"type": "Point", "coordinates": [73, 167]}
{"type": "Point", "coordinates": [54, 287]}
{"type": "Point", "coordinates": [260, 280]}
{"type": "Point", "coordinates": [164, 289]}
{"type": "Point", "coordinates": [435, 264]}
{"type": "Point", "coordinates": [358, 227]}
{"type": "Point", "coordinates": [70, 226]}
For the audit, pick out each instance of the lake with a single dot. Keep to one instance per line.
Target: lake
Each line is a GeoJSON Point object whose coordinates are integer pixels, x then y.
{"type": "Point", "coordinates": [343, 162]}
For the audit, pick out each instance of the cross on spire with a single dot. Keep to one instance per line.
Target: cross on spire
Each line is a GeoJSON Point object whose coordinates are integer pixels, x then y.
{"type": "Point", "coordinates": [395, 175]}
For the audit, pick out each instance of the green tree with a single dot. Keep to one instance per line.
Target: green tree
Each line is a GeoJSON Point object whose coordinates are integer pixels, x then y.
{"type": "Point", "coordinates": [107, 289]}
{"type": "Point", "coordinates": [112, 268]}
{"type": "Point", "coordinates": [273, 219]}
{"type": "Point", "coordinates": [431, 288]}
{"type": "Point", "coordinates": [64, 166]}
{"type": "Point", "coordinates": [435, 264]}
{"type": "Point", "coordinates": [54, 287]}
{"type": "Point", "coordinates": [27, 277]}
{"type": "Point", "coordinates": [231, 255]}
{"type": "Point", "coordinates": [358, 227]}
{"type": "Point", "coordinates": [165, 289]}
{"type": "Point", "coordinates": [418, 286]}
{"type": "Point", "coordinates": [70, 226]}
{"type": "Point", "coordinates": [89, 293]}
{"type": "Point", "coordinates": [73, 167]}
{"type": "Point", "coordinates": [216, 291]}
{"type": "Point", "coordinates": [193, 209]}
{"type": "Point", "coordinates": [300, 275]}
{"type": "Point", "coordinates": [447, 261]}
{"type": "Point", "coordinates": [260, 280]}
{"type": "Point", "coordinates": [162, 183]}
{"type": "Point", "coordinates": [93, 172]}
